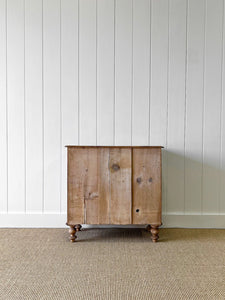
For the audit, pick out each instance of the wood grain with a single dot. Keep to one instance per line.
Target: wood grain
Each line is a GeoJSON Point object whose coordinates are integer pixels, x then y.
{"type": "Point", "coordinates": [100, 185]}
{"type": "Point", "coordinates": [120, 185]}
{"type": "Point", "coordinates": [97, 189]}
{"type": "Point", "coordinates": [77, 165]}
{"type": "Point", "coordinates": [88, 186]}
{"type": "Point", "coordinates": [146, 207]}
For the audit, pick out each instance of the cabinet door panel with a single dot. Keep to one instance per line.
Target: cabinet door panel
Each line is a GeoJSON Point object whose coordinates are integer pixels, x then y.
{"type": "Point", "coordinates": [146, 208]}
{"type": "Point", "coordinates": [88, 186]}
{"type": "Point", "coordinates": [120, 185]}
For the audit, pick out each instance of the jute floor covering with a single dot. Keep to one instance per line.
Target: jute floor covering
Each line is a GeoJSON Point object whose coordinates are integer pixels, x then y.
{"type": "Point", "coordinates": [112, 264]}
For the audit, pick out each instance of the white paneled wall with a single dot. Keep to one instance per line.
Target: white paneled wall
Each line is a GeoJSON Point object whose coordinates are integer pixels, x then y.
{"type": "Point", "coordinates": [112, 72]}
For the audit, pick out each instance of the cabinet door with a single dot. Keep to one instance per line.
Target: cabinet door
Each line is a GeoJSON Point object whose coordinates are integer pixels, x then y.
{"type": "Point", "coordinates": [99, 185]}
{"type": "Point", "coordinates": [146, 208]}
{"type": "Point", "coordinates": [88, 185]}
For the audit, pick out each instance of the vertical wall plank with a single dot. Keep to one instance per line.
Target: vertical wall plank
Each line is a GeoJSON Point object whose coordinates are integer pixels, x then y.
{"type": "Point", "coordinates": [176, 106]}
{"type": "Point", "coordinates": [33, 105]}
{"type": "Point", "coordinates": [3, 110]}
{"type": "Point", "coordinates": [123, 71]}
{"type": "Point", "coordinates": [16, 137]}
{"type": "Point", "coordinates": [194, 106]}
{"type": "Point", "coordinates": [141, 62]}
{"type": "Point", "coordinates": [51, 71]}
{"type": "Point", "coordinates": [159, 57]}
{"type": "Point", "coordinates": [87, 71]}
{"type": "Point", "coordinates": [222, 129]}
{"type": "Point", "coordinates": [212, 106]}
{"type": "Point", "coordinates": [158, 83]}
{"type": "Point", "coordinates": [105, 72]}
{"type": "Point", "coordinates": [69, 84]}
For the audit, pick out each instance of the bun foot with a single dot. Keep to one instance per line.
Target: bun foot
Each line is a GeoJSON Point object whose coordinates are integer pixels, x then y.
{"type": "Point", "coordinates": [72, 232]}
{"type": "Point", "coordinates": [154, 233]}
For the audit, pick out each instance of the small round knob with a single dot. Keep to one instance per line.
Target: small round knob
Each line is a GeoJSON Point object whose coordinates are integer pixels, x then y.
{"type": "Point", "coordinates": [137, 210]}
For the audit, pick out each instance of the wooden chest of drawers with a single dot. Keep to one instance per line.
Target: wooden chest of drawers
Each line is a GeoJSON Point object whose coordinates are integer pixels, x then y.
{"type": "Point", "coordinates": [114, 185]}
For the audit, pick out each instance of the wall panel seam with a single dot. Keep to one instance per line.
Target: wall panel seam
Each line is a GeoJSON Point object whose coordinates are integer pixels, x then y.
{"type": "Point", "coordinates": [167, 104]}
{"type": "Point", "coordinates": [203, 106]}
{"type": "Point", "coordinates": [132, 71]}
{"type": "Point", "coordinates": [7, 131]}
{"type": "Point", "coordinates": [24, 87]}
{"type": "Point", "coordinates": [221, 108]}
{"type": "Point", "coordinates": [114, 102]}
{"type": "Point", "coordinates": [60, 103]}
{"type": "Point", "coordinates": [43, 123]}
{"type": "Point", "coordinates": [150, 69]}
{"type": "Point", "coordinates": [78, 71]}
{"type": "Point", "coordinates": [96, 84]}
{"type": "Point", "coordinates": [185, 101]}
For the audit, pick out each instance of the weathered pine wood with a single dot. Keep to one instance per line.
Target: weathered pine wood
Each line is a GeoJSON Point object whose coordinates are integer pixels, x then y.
{"type": "Point", "coordinates": [155, 233]}
{"type": "Point", "coordinates": [146, 206]}
{"type": "Point", "coordinates": [114, 185]}
{"type": "Point", "coordinates": [88, 186]}
{"type": "Point", "coordinates": [72, 232]}
{"type": "Point", "coordinates": [120, 185]}
{"type": "Point", "coordinates": [97, 187]}
{"type": "Point", "coordinates": [76, 169]}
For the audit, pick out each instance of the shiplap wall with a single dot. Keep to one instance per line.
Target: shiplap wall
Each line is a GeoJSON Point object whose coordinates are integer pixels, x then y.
{"type": "Point", "coordinates": [112, 72]}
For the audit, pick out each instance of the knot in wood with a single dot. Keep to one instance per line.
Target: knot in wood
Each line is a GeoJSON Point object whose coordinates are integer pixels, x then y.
{"type": "Point", "coordinates": [115, 167]}
{"type": "Point", "coordinates": [139, 180]}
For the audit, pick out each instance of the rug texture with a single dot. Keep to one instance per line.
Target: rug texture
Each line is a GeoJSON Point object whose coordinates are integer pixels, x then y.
{"type": "Point", "coordinates": [108, 264]}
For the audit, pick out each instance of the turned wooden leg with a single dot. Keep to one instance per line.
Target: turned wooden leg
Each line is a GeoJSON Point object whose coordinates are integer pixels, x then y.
{"type": "Point", "coordinates": [72, 232]}
{"type": "Point", "coordinates": [78, 227]}
{"type": "Point", "coordinates": [154, 231]}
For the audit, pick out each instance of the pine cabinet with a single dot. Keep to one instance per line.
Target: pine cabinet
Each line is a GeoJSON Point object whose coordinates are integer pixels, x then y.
{"type": "Point", "coordinates": [114, 185]}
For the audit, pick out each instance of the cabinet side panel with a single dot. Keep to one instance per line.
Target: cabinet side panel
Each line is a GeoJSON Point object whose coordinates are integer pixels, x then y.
{"type": "Point", "coordinates": [97, 191]}
{"type": "Point", "coordinates": [120, 185]}
{"type": "Point", "coordinates": [146, 207]}
{"type": "Point", "coordinates": [77, 165]}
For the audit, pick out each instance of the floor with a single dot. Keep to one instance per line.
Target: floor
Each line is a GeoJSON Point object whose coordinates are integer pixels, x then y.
{"type": "Point", "coordinates": [116, 263]}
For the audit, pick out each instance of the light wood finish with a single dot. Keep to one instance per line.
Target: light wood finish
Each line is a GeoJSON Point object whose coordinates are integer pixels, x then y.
{"type": "Point", "coordinates": [96, 187]}
{"type": "Point", "coordinates": [120, 186]}
{"type": "Point", "coordinates": [72, 232]}
{"type": "Point", "coordinates": [155, 233]}
{"type": "Point", "coordinates": [88, 186]}
{"type": "Point", "coordinates": [114, 185]}
{"type": "Point", "coordinates": [77, 164]}
{"type": "Point", "coordinates": [146, 186]}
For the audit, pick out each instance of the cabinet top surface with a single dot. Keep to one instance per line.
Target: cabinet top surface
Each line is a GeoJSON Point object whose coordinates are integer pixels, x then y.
{"type": "Point", "coordinates": [83, 146]}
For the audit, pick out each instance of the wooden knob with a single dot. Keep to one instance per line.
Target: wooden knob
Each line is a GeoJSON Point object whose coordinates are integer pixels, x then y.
{"type": "Point", "coordinates": [115, 167]}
